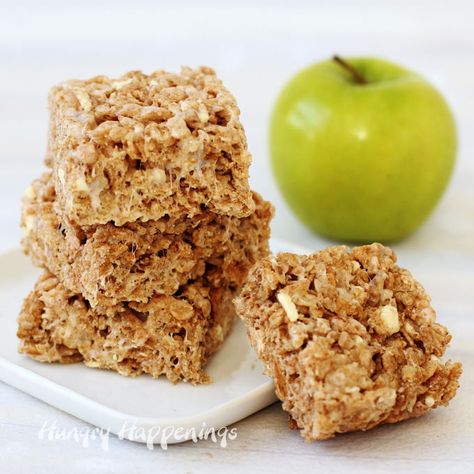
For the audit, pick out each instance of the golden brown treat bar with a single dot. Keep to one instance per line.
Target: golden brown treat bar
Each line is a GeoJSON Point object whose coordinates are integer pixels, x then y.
{"type": "Point", "coordinates": [109, 264]}
{"type": "Point", "coordinates": [349, 338]}
{"type": "Point", "coordinates": [143, 146]}
{"type": "Point", "coordinates": [170, 335]}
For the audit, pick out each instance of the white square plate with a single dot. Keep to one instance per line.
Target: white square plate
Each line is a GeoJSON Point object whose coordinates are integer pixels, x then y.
{"type": "Point", "coordinates": [113, 402]}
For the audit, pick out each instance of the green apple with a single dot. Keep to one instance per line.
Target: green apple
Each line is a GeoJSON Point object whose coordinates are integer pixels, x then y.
{"type": "Point", "coordinates": [362, 149]}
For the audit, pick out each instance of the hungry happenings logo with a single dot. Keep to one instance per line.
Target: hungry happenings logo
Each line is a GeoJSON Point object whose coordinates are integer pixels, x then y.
{"type": "Point", "coordinates": [152, 436]}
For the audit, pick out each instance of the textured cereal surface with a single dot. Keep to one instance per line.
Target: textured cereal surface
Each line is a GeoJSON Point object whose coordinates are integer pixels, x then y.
{"type": "Point", "coordinates": [143, 146]}
{"type": "Point", "coordinates": [109, 264]}
{"type": "Point", "coordinates": [349, 337]}
{"type": "Point", "coordinates": [169, 335]}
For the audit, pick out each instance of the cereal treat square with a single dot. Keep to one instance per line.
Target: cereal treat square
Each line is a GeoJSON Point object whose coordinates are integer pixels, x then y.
{"type": "Point", "coordinates": [349, 338]}
{"type": "Point", "coordinates": [144, 146]}
{"type": "Point", "coordinates": [109, 264]}
{"type": "Point", "coordinates": [169, 335]}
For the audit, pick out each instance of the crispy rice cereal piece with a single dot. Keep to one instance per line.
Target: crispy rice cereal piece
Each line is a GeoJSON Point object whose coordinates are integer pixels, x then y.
{"type": "Point", "coordinates": [143, 146]}
{"type": "Point", "coordinates": [170, 335]}
{"type": "Point", "coordinates": [349, 338]}
{"type": "Point", "coordinates": [109, 264]}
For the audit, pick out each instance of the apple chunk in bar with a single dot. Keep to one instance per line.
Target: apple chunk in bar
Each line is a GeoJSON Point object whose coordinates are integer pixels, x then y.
{"type": "Point", "coordinates": [349, 337]}
{"type": "Point", "coordinates": [144, 146]}
{"type": "Point", "coordinates": [109, 264]}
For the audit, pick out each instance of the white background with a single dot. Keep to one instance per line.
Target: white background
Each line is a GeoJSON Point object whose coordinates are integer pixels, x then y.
{"type": "Point", "coordinates": [255, 47]}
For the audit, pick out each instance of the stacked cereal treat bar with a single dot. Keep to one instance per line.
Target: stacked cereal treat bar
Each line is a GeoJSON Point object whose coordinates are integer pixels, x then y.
{"type": "Point", "coordinates": [109, 264]}
{"type": "Point", "coordinates": [143, 147]}
{"type": "Point", "coordinates": [172, 335]}
{"type": "Point", "coordinates": [145, 225]}
{"type": "Point", "coordinates": [349, 337]}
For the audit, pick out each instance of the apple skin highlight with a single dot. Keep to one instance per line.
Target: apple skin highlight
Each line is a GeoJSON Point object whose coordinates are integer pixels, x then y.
{"type": "Point", "coordinates": [362, 162]}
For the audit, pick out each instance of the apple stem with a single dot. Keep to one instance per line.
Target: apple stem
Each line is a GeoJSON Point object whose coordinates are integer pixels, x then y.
{"type": "Point", "coordinates": [357, 76]}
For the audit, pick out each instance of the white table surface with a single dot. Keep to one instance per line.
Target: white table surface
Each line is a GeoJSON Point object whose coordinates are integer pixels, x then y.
{"type": "Point", "coordinates": [255, 47]}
